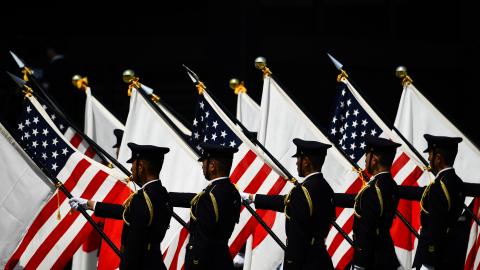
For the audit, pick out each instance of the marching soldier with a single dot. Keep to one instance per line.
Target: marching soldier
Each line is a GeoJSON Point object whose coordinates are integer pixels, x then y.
{"type": "Point", "coordinates": [374, 208]}
{"type": "Point", "coordinates": [308, 209]}
{"type": "Point", "coordinates": [441, 203]}
{"type": "Point", "coordinates": [146, 213]}
{"type": "Point", "coordinates": [213, 212]}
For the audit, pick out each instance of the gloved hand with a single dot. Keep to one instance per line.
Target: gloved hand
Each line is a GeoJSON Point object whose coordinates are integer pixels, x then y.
{"type": "Point", "coordinates": [427, 267]}
{"type": "Point", "coordinates": [356, 267]}
{"type": "Point", "coordinates": [76, 203]}
{"type": "Point", "coordinates": [246, 197]}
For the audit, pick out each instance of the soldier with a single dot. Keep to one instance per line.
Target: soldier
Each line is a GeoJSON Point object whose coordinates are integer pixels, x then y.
{"type": "Point", "coordinates": [308, 208]}
{"type": "Point", "coordinates": [374, 209]}
{"type": "Point", "coordinates": [441, 203]}
{"type": "Point", "coordinates": [213, 212]}
{"type": "Point", "coordinates": [146, 213]}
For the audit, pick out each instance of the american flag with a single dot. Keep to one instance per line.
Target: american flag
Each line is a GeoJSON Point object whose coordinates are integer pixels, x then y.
{"type": "Point", "coordinates": [76, 139]}
{"type": "Point", "coordinates": [250, 171]}
{"type": "Point", "coordinates": [49, 243]}
{"type": "Point", "coordinates": [352, 120]}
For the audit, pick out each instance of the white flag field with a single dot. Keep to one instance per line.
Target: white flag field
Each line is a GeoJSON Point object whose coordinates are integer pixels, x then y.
{"type": "Point", "coordinates": [248, 112]}
{"type": "Point", "coordinates": [417, 116]}
{"type": "Point", "coordinates": [99, 125]}
{"type": "Point", "coordinates": [22, 181]}
{"type": "Point", "coordinates": [50, 242]}
{"type": "Point", "coordinates": [282, 121]}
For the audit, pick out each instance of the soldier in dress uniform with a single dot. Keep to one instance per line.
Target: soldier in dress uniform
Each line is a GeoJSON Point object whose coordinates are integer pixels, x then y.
{"type": "Point", "coordinates": [213, 212]}
{"type": "Point", "coordinates": [146, 213]}
{"type": "Point", "coordinates": [308, 208]}
{"type": "Point", "coordinates": [441, 203]}
{"type": "Point", "coordinates": [374, 208]}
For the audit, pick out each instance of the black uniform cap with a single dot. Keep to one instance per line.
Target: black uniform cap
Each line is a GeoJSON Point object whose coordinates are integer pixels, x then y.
{"type": "Point", "coordinates": [443, 142]}
{"type": "Point", "coordinates": [148, 152]}
{"type": "Point", "coordinates": [214, 151]}
{"type": "Point", "coordinates": [310, 148]}
{"type": "Point", "coordinates": [380, 145]}
{"type": "Point", "coordinates": [119, 134]}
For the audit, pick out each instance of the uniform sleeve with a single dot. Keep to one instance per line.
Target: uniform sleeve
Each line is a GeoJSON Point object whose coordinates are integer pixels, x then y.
{"type": "Point", "coordinates": [366, 228]}
{"type": "Point", "coordinates": [180, 199]}
{"type": "Point", "coordinates": [471, 190]}
{"type": "Point", "coordinates": [109, 210]}
{"type": "Point", "coordinates": [270, 202]}
{"type": "Point", "coordinates": [135, 243]}
{"type": "Point", "coordinates": [410, 193]}
{"type": "Point", "coordinates": [344, 200]}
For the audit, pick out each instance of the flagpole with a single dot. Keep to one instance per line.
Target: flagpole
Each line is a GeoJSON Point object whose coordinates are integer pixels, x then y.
{"type": "Point", "coordinates": [254, 140]}
{"type": "Point", "coordinates": [59, 185]}
{"type": "Point", "coordinates": [401, 72]}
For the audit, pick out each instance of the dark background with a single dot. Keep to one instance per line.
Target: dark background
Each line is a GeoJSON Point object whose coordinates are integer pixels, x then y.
{"type": "Point", "coordinates": [437, 41]}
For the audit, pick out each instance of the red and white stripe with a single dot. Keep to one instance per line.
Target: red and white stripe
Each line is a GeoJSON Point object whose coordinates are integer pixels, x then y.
{"type": "Point", "coordinates": [472, 260]}
{"type": "Point", "coordinates": [80, 144]}
{"type": "Point", "coordinates": [50, 243]}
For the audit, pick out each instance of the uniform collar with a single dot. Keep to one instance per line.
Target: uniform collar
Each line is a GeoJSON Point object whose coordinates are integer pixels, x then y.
{"type": "Point", "coordinates": [156, 180]}
{"type": "Point", "coordinates": [375, 176]}
{"type": "Point", "coordinates": [446, 169]}
{"type": "Point", "coordinates": [312, 174]}
{"type": "Point", "coordinates": [218, 178]}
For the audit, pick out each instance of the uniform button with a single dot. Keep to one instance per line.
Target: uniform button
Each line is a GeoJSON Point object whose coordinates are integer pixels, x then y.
{"type": "Point", "coordinates": [190, 247]}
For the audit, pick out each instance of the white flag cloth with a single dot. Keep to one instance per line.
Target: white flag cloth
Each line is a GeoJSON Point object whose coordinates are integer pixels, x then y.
{"type": "Point", "coordinates": [181, 171]}
{"type": "Point", "coordinates": [248, 112]}
{"type": "Point", "coordinates": [99, 125]}
{"type": "Point", "coordinates": [417, 116]}
{"type": "Point", "coordinates": [25, 190]}
{"type": "Point", "coordinates": [282, 121]}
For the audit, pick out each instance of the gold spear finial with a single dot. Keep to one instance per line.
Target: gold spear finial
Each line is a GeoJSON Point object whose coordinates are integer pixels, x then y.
{"type": "Point", "coordinates": [261, 64]}
{"type": "Point", "coordinates": [128, 76]}
{"type": "Point", "coordinates": [81, 83]}
{"type": "Point", "coordinates": [401, 72]}
{"type": "Point", "coordinates": [237, 86]}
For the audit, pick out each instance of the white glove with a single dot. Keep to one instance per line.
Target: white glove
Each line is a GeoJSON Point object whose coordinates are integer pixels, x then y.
{"type": "Point", "coordinates": [238, 260]}
{"type": "Point", "coordinates": [75, 203]}
{"type": "Point", "coordinates": [356, 267]}
{"type": "Point", "coordinates": [427, 267]}
{"type": "Point", "coordinates": [246, 197]}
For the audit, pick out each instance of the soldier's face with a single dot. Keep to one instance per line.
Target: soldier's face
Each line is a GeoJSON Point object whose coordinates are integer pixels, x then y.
{"type": "Point", "coordinates": [299, 166]}
{"type": "Point", "coordinates": [431, 162]}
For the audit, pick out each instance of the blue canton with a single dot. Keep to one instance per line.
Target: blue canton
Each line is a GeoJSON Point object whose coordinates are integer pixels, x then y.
{"type": "Point", "coordinates": [350, 124]}
{"type": "Point", "coordinates": [209, 127]}
{"type": "Point", "coordinates": [40, 141]}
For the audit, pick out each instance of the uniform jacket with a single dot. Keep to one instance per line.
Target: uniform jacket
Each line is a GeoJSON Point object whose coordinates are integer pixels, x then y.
{"type": "Point", "coordinates": [309, 211]}
{"type": "Point", "coordinates": [146, 218]}
{"type": "Point", "coordinates": [213, 215]}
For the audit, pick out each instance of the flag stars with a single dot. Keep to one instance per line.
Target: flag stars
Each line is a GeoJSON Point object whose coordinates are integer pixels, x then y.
{"type": "Point", "coordinates": [334, 119]}
{"type": "Point", "coordinates": [54, 166]}
{"type": "Point", "coordinates": [342, 130]}
{"type": "Point", "coordinates": [195, 122]}
{"type": "Point", "coordinates": [20, 126]}
{"type": "Point", "coordinates": [343, 92]}
{"type": "Point", "coordinates": [363, 133]}
{"type": "Point", "coordinates": [201, 118]}
{"type": "Point", "coordinates": [27, 122]}
{"type": "Point", "coordinates": [205, 138]}
{"type": "Point", "coordinates": [349, 102]}
{"type": "Point", "coordinates": [347, 114]}
{"type": "Point", "coordinates": [44, 155]}
{"type": "Point", "coordinates": [65, 151]}
{"type": "Point", "coordinates": [207, 113]}
{"type": "Point", "coordinates": [34, 132]}
{"type": "Point", "coordinates": [354, 135]}
{"type": "Point", "coordinates": [223, 134]}
{"type": "Point", "coordinates": [26, 135]}
{"type": "Point", "coordinates": [61, 127]}
{"type": "Point", "coordinates": [45, 132]}
{"type": "Point", "coordinates": [355, 112]}
{"type": "Point", "coordinates": [373, 132]}
{"type": "Point", "coordinates": [54, 154]}
{"type": "Point", "coordinates": [364, 122]}
{"type": "Point", "coordinates": [44, 144]}
{"type": "Point", "coordinates": [334, 131]}
{"type": "Point", "coordinates": [54, 141]}
{"type": "Point", "coordinates": [214, 136]}
{"type": "Point", "coordinates": [202, 104]}
{"type": "Point", "coordinates": [232, 144]}
{"type": "Point", "coordinates": [34, 144]}
{"type": "Point", "coordinates": [196, 135]}
{"type": "Point", "coordinates": [44, 107]}
{"type": "Point", "coordinates": [354, 124]}
{"type": "Point", "coordinates": [215, 124]}
{"type": "Point", "coordinates": [362, 145]}
{"type": "Point", "coordinates": [35, 120]}
{"type": "Point", "coordinates": [353, 146]}
{"type": "Point", "coordinates": [352, 156]}
{"type": "Point", "coordinates": [29, 109]}
{"type": "Point", "coordinates": [342, 104]}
